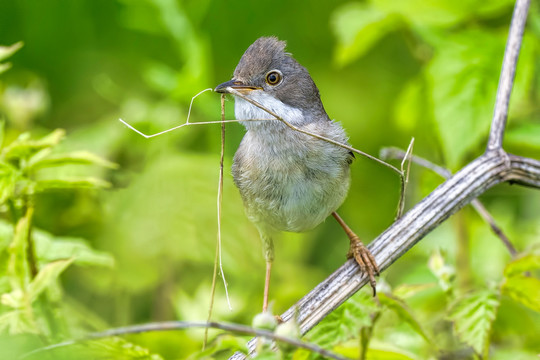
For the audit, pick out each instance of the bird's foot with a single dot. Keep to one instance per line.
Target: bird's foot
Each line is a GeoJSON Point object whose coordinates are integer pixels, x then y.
{"type": "Point", "coordinates": [365, 260]}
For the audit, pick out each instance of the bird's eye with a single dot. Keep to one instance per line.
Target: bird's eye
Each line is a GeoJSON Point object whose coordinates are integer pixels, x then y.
{"type": "Point", "coordinates": [274, 77]}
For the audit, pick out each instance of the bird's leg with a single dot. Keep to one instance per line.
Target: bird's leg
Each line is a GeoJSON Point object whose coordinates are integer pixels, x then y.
{"type": "Point", "coordinates": [268, 249]}
{"type": "Point", "coordinates": [360, 253]}
{"type": "Point", "coordinates": [267, 285]}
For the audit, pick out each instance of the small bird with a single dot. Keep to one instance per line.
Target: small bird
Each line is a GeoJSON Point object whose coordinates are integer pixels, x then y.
{"type": "Point", "coordinates": [288, 180]}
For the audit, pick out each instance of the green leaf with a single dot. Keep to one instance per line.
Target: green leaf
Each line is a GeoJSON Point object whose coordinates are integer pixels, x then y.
{"type": "Point", "coordinates": [443, 13]}
{"type": "Point", "coordinates": [301, 354]}
{"type": "Point", "coordinates": [524, 290]}
{"type": "Point", "coordinates": [225, 343]}
{"type": "Point", "coordinates": [377, 351]}
{"type": "Point", "coordinates": [425, 13]}
{"type": "Point", "coordinates": [4, 67]}
{"type": "Point", "coordinates": [473, 316]}
{"type": "Point", "coordinates": [17, 322]}
{"type": "Point", "coordinates": [51, 248]}
{"type": "Point", "coordinates": [83, 183]}
{"type": "Point", "coordinates": [77, 157]}
{"type": "Point", "coordinates": [463, 77]}
{"type": "Point", "coordinates": [15, 299]}
{"type": "Point", "coordinates": [405, 291]}
{"type": "Point", "coordinates": [346, 321]}
{"type": "Point", "coordinates": [18, 271]}
{"type": "Point", "coordinates": [444, 272]}
{"type": "Point", "coordinates": [526, 134]}
{"type": "Point", "coordinates": [46, 276]}
{"type": "Point", "coordinates": [8, 179]}
{"type": "Point", "coordinates": [401, 309]}
{"type": "Point", "coordinates": [523, 101]}
{"type": "Point", "coordinates": [411, 104]}
{"type": "Point", "coordinates": [24, 147]}
{"type": "Point", "coordinates": [7, 51]}
{"type": "Point", "coordinates": [358, 26]}
{"type": "Point", "coordinates": [524, 263]}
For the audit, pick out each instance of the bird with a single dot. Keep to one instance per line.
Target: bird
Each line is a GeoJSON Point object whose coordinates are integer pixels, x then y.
{"type": "Point", "coordinates": [288, 180]}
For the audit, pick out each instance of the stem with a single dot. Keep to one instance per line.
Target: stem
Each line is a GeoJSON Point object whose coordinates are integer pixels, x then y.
{"type": "Point", "coordinates": [182, 325]}
{"type": "Point", "coordinates": [508, 73]}
{"type": "Point", "coordinates": [30, 248]}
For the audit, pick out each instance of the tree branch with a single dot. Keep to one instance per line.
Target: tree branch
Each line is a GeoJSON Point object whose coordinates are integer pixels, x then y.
{"type": "Point", "coordinates": [508, 72]}
{"type": "Point", "coordinates": [182, 325]}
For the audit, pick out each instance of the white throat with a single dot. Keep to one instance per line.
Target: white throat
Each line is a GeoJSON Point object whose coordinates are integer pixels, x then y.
{"type": "Point", "coordinates": [247, 111]}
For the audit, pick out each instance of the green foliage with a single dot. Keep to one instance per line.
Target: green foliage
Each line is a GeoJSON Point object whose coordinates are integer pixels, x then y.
{"type": "Point", "coordinates": [358, 27]}
{"type": "Point", "coordinates": [31, 300]}
{"type": "Point", "coordinates": [22, 160]}
{"type": "Point", "coordinates": [400, 308]}
{"type": "Point", "coordinates": [518, 282]}
{"type": "Point", "coordinates": [346, 321]}
{"type": "Point", "coordinates": [223, 344]}
{"type": "Point", "coordinates": [473, 316]}
{"type": "Point", "coordinates": [463, 81]}
{"type": "Point", "coordinates": [527, 134]}
{"type": "Point", "coordinates": [6, 52]}
{"type": "Point", "coordinates": [456, 87]}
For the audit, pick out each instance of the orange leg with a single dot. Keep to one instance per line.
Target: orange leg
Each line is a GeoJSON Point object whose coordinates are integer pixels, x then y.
{"type": "Point", "coordinates": [267, 285]}
{"type": "Point", "coordinates": [360, 253]}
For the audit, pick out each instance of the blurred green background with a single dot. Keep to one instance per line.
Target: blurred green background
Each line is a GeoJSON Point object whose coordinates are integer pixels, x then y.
{"type": "Point", "coordinates": [387, 70]}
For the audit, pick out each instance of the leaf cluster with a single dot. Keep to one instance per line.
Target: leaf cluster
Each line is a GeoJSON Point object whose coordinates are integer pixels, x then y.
{"type": "Point", "coordinates": [32, 304]}
{"type": "Point", "coordinates": [365, 327]}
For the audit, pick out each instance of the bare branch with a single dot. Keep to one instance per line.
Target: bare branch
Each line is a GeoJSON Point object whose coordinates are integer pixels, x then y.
{"type": "Point", "coordinates": [508, 72]}
{"type": "Point", "coordinates": [182, 325]}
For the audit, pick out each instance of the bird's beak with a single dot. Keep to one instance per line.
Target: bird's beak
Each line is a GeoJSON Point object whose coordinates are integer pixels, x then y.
{"type": "Point", "coordinates": [236, 85]}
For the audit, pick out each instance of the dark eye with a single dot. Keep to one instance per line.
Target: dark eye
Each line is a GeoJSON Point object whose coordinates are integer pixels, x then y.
{"type": "Point", "coordinates": [274, 77]}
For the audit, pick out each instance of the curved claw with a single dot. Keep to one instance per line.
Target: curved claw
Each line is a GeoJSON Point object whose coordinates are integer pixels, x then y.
{"type": "Point", "coordinates": [365, 260]}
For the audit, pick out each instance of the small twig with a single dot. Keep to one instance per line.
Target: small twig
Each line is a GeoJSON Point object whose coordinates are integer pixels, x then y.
{"type": "Point", "coordinates": [484, 213]}
{"type": "Point", "coordinates": [217, 259]}
{"type": "Point", "coordinates": [220, 198]}
{"type": "Point", "coordinates": [395, 153]}
{"type": "Point", "coordinates": [404, 178]}
{"type": "Point", "coordinates": [148, 136]}
{"type": "Point", "coordinates": [182, 325]}
{"type": "Point", "coordinates": [187, 123]}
